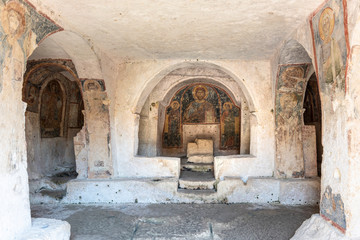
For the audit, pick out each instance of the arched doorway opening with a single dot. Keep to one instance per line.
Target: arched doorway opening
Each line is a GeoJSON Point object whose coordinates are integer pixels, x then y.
{"type": "Point", "coordinates": [312, 115]}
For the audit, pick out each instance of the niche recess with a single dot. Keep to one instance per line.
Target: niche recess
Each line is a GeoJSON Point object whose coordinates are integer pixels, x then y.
{"type": "Point", "coordinates": [54, 115]}
{"type": "Point", "coordinates": [171, 116]}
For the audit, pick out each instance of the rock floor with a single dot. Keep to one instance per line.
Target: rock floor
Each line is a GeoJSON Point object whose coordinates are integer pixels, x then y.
{"type": "Point", "coordinates": [178, 221]}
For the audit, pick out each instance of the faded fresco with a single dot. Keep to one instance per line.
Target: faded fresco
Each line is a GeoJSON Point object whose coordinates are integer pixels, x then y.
{"type": "Point", "coordinates": [330, 43]}
{"type": "Point", "coordinates": [288, 119]}
{"type": "Point", "coordinates": [332, 208]}
{"type": "Point", "coordinates": [51, 110]}
{"type": "Point", "coordinates": [21, 28]}
{"type": "Point", "coordinates": [202, 104]}
{"type": "Point", "coordinates": [89, 85]}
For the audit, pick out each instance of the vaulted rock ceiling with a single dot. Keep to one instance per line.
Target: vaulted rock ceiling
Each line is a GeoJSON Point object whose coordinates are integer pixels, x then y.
{"type": "Point", "coordinates": [184, 29]}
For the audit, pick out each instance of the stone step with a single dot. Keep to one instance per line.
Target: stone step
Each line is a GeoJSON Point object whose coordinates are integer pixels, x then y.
{"type": "Point", "coordinates": [197, 180]}
{"type": "Point", "coordinates": [197, 167]}
{"type": "Point", "coordinates": [203, 192]}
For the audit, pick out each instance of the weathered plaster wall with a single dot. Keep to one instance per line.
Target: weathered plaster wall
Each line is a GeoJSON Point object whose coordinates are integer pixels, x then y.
{"type": "Point", "coordinates": [352, 195]}
{"type": "Point", "coordinates": [340, 179]}
{"type": "Point", "coordinates": [136, 80]}
{"type": "Point", "coordinates": [21, 29]}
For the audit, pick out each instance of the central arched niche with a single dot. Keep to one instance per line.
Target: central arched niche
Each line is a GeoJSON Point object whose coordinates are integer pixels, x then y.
{"type": "Point", "coordinates": [158, 115]}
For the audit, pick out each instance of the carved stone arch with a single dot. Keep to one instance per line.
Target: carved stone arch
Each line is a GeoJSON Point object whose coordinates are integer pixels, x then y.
{"type": "Point", "coordinates": [72, 47]}
{"type": "Point", "coordinates": [40, 67]}
{"type": "Point", "coordinates": [154, 81]}
{"type": "Point", "coordinates": [160, 96]}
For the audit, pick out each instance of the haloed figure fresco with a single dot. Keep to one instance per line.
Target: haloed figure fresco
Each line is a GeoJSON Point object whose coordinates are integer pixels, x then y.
{"type": "Point", "coordinates": [51, 112]}
{"type": "Point", "coordinates": [331, 44]}
{"type": "Point", "coordinates": [230, 126]}
{"type": "Point", "coordinates": [202, 104]}
{"type": "Point", "coordinates": [172, 125]}
{"type": "Point", "coordinates": [200, 110]}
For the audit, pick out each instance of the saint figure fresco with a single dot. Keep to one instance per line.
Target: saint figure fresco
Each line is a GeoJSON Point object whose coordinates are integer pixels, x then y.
{"type": "Point", "coordinates": [330, 50]}
{"type": "Point", "coordinates": [51, 112]}
{"type": "Point", "coordinates": [331, 44]}
{"type": "Point", "coordinates": [230, 126]}
{"type": "Point", "coordinates": [172, 137]}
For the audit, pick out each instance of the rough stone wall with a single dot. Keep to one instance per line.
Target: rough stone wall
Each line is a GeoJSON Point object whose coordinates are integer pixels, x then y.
{"type": "Point", "coordinates": [338, 73]}
{"type": "Point", "coordinates": [21, 29]}
{"type": "Point", "coordinates": [330, 42]}
{"type": "Point", "coordinates": [352, 196]}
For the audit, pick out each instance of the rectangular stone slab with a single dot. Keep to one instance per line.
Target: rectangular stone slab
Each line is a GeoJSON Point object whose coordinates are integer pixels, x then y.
{"type": "Point", "coordinates": [200, 147]}
{"type": "Point", "coordinates": [309, 148]}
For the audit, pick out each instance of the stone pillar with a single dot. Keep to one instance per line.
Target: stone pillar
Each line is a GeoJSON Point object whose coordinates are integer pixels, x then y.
{"type": "Point", "coordinates": [81, 150]}
{"type": "Point", "coordinates": [18, 40]}
{"type": "Point", "coordinates": [148, 129]}
{"type": "Point", "coordinates": [290, 89]}
{"type": "Point", "coordinates": [97, 125]}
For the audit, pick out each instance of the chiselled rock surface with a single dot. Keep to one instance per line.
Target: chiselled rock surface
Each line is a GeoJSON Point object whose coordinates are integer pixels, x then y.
{"type": "Point", "coordinates": [316, 228]}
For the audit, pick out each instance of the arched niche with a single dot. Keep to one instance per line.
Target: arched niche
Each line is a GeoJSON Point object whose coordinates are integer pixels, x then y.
{"type": "Point", "coordinates": [201, 110]}
{"type": "Point", "coordinates": [153, 112]}
{"type": "Point", "coordinates": [313, 117]}
{"type": "Point", "coordinates": [54, 115]}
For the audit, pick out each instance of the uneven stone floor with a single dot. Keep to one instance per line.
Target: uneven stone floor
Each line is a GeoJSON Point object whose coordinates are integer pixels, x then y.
{"type": "Point", "coordinates": [178, 221]}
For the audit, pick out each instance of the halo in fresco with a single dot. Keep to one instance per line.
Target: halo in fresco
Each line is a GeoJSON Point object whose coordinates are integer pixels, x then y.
{"type": "Point", "coordinates": [13, 19]}
{"type": "Point", "coordinates": [197, 88]}
{"type": "Point", "coordinates": [326, 24]}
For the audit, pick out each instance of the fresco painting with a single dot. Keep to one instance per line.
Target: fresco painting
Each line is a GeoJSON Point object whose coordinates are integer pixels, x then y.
{"type": "Point", "coordinates": [199, 105]}
{"type": "Point", "coordinates": [21, 28]}
{"type": "Point", "coordinates": [51, 110]}
{"type": "Point", "coordinates": [172, 131]}
{"type": "Point", "coordinates": [230, 126]}
{"type": "Point", "coordinates": [331, 43]}
{"type": "Point", "coordinates": [202, 104]}
{"type": "Point", "coordinates": [291, 83]}
{"type": "Point", "coordinates": [91, 85]}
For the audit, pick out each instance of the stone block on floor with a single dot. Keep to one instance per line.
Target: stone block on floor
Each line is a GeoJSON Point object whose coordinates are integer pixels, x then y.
{"type": "Point", "coordinates": [300, 191]}
{"type": "Point", "coordinates": [47, 229]}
